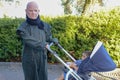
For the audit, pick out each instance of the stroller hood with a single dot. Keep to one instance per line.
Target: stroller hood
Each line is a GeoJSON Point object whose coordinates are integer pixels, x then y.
{"type": "Point", "coordinates": [99, 61]}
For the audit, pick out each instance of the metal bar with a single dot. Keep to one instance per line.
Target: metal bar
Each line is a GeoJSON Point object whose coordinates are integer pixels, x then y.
{"type": "Point", "coordinates": [66, 52]}
{"type": "Point", "coordinates": [70, 70]}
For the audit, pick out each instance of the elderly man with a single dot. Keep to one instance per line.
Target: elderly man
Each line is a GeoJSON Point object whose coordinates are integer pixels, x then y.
{"type": "Point", "coordinates": [35, 35]}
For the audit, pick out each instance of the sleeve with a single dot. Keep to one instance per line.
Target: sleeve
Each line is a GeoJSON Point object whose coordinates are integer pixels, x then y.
{"type": "Point", "coordinates": [48, 32]}
{"type": "Point", "coordinates": [78, 62]}
{"type": "Point", "coordinates": [29, 40]}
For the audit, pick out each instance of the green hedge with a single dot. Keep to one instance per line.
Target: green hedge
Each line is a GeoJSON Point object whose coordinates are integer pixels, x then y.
{"type": "Point", "coordinates": [75, 33]}
{"type": "Point", "coordinates": [9, 45]}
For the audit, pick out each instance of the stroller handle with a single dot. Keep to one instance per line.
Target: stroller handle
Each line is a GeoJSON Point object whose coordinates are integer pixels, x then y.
{"type": "Point", "coordinates": [61, 49]}
{"type": "Point", "coordinates": [49, 49]}
{"type": "Point", "coordinates": [66, 52]}
{"type": "Point", "coordinates": [56, 55]}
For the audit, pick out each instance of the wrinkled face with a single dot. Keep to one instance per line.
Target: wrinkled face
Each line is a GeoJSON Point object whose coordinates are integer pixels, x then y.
{"type": "Point", "coordinates": [32, 10]}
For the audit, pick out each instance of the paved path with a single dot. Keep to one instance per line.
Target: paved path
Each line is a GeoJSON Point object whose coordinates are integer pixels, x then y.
{"type": "Point", "coordinates": [13, 71]}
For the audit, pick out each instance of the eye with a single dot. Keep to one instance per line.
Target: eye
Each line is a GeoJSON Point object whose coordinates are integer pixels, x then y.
{"type": "Point", "coordinates": [35, 10]}
{"type": "Point", "coordinates": [30, 10]}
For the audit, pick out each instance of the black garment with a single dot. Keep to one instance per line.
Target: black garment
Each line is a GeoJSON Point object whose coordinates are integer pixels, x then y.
{"type": "Point", "coordinates": [35, 22]}
{"type": "Point", "coordinates": [34, 57]}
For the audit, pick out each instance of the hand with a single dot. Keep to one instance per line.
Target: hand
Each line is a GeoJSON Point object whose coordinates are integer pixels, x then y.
{"type": "Point", "coordinates": [46, 46]}
{"type": "Point", "coordinates": [72, 65]}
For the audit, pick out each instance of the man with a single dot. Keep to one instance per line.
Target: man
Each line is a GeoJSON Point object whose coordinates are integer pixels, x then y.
{"type": "Point", "coordinates": [35, 35]}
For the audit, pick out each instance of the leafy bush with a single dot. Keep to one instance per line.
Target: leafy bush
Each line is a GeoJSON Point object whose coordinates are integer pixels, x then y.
{"type": "Point", "coordinates": [75, 33]}
{"type": "Point", "coordinates": [9, 45]}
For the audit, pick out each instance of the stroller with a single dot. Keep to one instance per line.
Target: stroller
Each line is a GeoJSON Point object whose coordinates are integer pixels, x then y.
{"type": "Point", "coordinates": [98, 61]}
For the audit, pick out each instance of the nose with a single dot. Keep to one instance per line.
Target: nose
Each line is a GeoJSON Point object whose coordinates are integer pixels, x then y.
{"type": "Point", "coordinates": [33, 12]}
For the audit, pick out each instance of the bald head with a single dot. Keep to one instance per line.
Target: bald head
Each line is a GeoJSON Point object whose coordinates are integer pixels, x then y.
{"type": "Point", "coordinates": [32, 10]}
{"type": "Point", "coordinates": [32, 4]}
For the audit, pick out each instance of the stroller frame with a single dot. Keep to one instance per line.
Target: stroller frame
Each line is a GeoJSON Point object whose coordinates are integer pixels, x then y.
{"type": "Point", "coordinates": [70, 71]}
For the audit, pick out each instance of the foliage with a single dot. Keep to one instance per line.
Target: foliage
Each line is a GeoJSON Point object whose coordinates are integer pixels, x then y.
{"type": "Point", "coordinates": [9, 45]}
{"type": "Point", "coordinates": [79, 7]}
{"type": "Point", "coordinates": [75, 33]}
{"type": "Point", "coordinates": [80, 33]}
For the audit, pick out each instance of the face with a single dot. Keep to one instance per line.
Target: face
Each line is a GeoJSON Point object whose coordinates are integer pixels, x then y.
{"type": "Point", "coordinates": [32, 10]}
{"type": "Point", "coordinates": [84, 56]}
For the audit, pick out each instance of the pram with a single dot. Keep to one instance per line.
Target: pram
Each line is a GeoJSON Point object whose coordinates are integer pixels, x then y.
{"type": "Point", "coordinates": [99, 61]}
